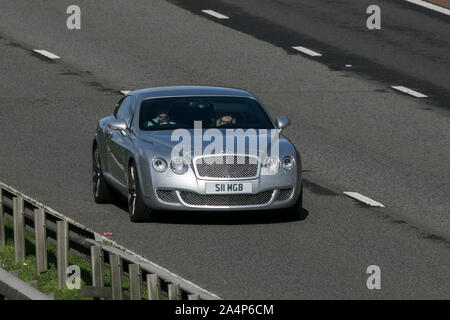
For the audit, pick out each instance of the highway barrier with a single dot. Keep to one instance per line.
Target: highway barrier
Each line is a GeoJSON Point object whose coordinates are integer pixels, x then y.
{"type": "Point", "coordinates": [69, 235]}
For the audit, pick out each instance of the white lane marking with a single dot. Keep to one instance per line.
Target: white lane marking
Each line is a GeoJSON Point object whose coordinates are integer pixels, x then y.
{"type": "Point", "coordinates": [307, 51]}
{"type": "Point", "coordinates": [430, 6]}
{"type": "Point", "coordinates": [215, 14]}
{"type": "Point", "coordinates": [125, 92]}
{"type": "Point", "coordinates": [409, 91]}
{"type": "Point", "coordinates": [364, 199]}
{"type": "Point", "coordinates": [47, 54]}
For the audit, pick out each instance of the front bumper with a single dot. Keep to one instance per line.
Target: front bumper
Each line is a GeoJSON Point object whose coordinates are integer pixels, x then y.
{"type": "Point", "coordinates": [169, 192]}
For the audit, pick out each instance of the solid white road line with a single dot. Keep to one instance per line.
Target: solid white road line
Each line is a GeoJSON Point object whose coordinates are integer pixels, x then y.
{"type": "Point", "coordinates": [307, 51]}
{"type": "Point", "coordinates": [215, 14]}
{"type": "Point", "coordinates": [364, 199]}
{"type": "Point", "coordinates": [47, 54]}
{"type": "Point", "coordinates": [430, 6]}
{"type": "Point", "coordinates": [409, 91]}
{"type": "Point", "coordinates": [125, 92]}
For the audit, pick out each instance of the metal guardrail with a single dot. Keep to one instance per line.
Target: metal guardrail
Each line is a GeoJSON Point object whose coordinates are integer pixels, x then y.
{"type": "Point", "coordinates": [15, 289]}
{"type": "Point", "coordinates": [81, 239]}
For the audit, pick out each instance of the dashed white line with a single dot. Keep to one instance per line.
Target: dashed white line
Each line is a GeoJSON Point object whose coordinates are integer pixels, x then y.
{"type": "Point", "coordinates": [215, 14]}
{"type": "Point", "coordinates": [125, 92]}
{"type": "Point", "coordinates": [307, 51]}
{"type": "Point", "coordinates": [47, 54]}
{"type": "Point", "coordinates": [430, 6]}
{"type": "Point", "coordinates": [364, 199]}
{"type": "Point", "coordinates": [409, 91]}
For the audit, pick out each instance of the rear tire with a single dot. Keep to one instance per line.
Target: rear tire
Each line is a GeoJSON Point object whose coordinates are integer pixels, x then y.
{"type": "Point", "coordinates": [296, 212]}
{"type": "Point", "coordinates": [101, 190]}
{"type": "Point", "coordinates": [139, 212]}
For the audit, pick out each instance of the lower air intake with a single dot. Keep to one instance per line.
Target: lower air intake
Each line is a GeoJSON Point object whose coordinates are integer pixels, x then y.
{"type": "Point", "coordinates": [219, 200]}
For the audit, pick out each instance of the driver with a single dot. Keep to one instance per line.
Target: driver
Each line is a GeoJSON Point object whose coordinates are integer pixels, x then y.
{"type": "Point", "coordinates": [224, 120]}
{"type": "Point", "coordinates": [162, 117]}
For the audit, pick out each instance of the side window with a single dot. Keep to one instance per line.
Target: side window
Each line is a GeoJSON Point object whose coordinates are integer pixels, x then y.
{"type": "Point", "coordinates": [116, 107]}
{"type": "Point", "coordinates": [125, 110]}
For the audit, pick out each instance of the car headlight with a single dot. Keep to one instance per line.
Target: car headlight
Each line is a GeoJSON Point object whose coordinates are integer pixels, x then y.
{"type": "Point", "coordinates": [287, 162]}
{"type": "Point", "coordinates": [272, 165]}
{"type": "Point", "coordinates": [179, 165]}
{"type": "Point", "coordinates": [159, 164]}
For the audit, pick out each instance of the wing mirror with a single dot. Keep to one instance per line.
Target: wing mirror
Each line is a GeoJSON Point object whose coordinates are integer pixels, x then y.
{"type": "Point", "coordinates": [120, 125]}
{"type": "Point", "coordinates": [282, 122]}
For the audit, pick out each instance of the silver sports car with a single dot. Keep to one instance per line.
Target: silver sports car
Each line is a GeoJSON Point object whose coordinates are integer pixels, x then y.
{"type": "Point", "coordinates": [195, 148]}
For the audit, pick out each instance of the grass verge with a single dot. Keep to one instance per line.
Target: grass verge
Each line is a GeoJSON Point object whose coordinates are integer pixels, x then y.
{"type": "Point", "coordinates": [48, 280]}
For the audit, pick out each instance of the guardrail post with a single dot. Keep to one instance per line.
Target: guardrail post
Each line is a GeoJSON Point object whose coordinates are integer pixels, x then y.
{"type": "Point", "coordinates": [40, 229]}
{"type": "Point", "coordinates": [97, 266]}
{"type": "Point", "coordinates": [174, 291]}
{"type": "Point", "coordinates": [63, 248]}
{"type": "Point", "coordinates": [19, 229]}
{"type": "Point", "coordinates": [134, 272]}
{"type": "Point", "coordinates": [2, 222]}
{"type": "Point", "coordinates": [153, 287]}
{"type": "Point", "coordinates": [116, 276]}
{"type": "Point", "coordinates": [193, 297]}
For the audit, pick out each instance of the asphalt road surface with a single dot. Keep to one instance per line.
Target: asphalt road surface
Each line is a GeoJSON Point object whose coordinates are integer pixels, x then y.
{"type": "Point", "coordinates": [355, 134]}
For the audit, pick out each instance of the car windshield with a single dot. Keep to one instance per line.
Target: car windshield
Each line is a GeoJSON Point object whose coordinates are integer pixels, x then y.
{"type": "Point", "coordinates": [213, 112]}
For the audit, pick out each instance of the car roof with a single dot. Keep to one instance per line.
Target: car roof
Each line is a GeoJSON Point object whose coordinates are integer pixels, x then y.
{"type": "Point", "coordinates": [177, 91]}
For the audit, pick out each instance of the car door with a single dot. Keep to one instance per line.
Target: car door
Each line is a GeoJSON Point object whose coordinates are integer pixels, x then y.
{"type": "Point", "coordinates": [118, 142]}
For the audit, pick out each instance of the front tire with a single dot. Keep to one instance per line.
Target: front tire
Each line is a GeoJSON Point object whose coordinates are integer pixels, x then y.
{"type": "Point", "coordinates": [101, 190]}
{"type": "Point", "coordinates": [136, 206]}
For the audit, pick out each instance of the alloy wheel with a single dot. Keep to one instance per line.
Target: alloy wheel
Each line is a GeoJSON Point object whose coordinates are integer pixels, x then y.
{"type": "Point", "coordinates": [132, 190]}
{"type": "Point", "coordinates": [96, 172]}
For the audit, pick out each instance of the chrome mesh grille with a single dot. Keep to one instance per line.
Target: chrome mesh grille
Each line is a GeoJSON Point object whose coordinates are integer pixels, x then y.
{"type": "Point", "coordinates": [196, 199]}
{"type": "Point", "coordinates": [165, 195]}
{"type": "Point", "coordinates": [227, 166]}
{"type": "Point", "coordinates": [284, 194]}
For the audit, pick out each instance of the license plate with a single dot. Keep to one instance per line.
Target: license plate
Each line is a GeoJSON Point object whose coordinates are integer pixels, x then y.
{"type": "Point", "coordinates": [228, 187]}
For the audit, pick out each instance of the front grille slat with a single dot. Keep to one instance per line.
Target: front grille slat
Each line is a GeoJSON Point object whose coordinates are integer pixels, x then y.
{"type": "Point", "coordinates": [227, 166]}
{"type": "Point", "coordinates": [195, 199]}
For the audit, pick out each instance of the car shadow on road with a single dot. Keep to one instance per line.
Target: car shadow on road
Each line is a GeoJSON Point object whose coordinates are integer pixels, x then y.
{"type": "Point", "coordinates": [219, 218]}
{"type": "Point", "coordinates": [227, 218]}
